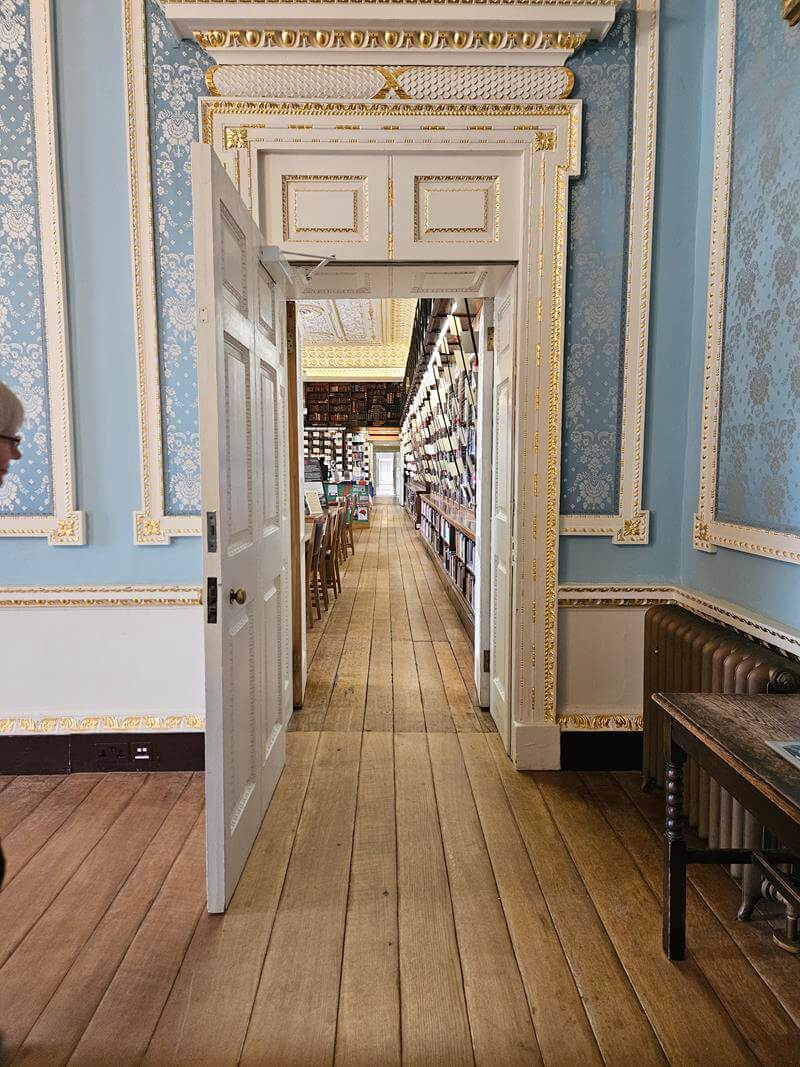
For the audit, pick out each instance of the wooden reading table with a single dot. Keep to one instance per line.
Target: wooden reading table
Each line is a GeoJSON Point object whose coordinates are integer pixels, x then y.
{"type": "Point", "coordinates": [728, 736]}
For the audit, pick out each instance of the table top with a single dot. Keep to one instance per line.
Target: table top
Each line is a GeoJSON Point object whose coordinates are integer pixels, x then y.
{"type": "Point", "coordinates": [737, 729]}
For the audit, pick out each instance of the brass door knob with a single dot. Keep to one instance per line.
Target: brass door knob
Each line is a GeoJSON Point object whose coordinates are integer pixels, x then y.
{"type": "Point", "coordinates": [238, 596]}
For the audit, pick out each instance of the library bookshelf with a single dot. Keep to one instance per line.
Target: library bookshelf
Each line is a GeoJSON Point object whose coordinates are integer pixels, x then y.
{"type": "Point", "coordinates": [448, 533]}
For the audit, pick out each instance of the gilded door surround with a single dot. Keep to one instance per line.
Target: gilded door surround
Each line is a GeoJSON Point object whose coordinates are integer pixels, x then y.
{"type": "Point", "coordinates": [708, 533]}
{"type": "Point", "coordinates": [66, 525]}
{"type": "Point", "coordinates": [547, 137]}
{"type": "Point", "coordinates": [294, 69]}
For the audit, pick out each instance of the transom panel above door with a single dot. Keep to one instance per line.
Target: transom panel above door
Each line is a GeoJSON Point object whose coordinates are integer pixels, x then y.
{"type": "Point", "coordinates": [446, 205]}
{"type": "Point", "coordinates": [408, 206]}
{"type": "Point", "coordinates": [328, 204]}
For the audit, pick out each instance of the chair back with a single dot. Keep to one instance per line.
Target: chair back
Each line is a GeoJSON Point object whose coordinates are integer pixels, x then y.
{"type": "Point", "coordinates": [319, 534]}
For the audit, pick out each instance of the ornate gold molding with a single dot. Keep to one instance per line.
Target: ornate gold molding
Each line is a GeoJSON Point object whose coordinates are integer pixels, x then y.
{"type": "Point", "coordinates": [100, 596]}
{"type": "Point", "coordinates": [102, 723]}
{"type": "Point", "coordinates": [601, 722]}
{"type": "Point", "coordinates": [370, 38]}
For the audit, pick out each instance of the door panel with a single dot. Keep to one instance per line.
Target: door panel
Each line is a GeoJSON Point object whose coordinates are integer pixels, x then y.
{"type": "Point", "coordinates": [502, 508]}
{"type": "Point", "coordinates": [270, 447]}
{"type": "Point", "coordinates": [445, 207]}
{"type": "Point", "coordinates": [319, 203]}
{"type": "Point", "coordinates": [241, 376]}
{"type": "Point", "coordinates": [238, 403]}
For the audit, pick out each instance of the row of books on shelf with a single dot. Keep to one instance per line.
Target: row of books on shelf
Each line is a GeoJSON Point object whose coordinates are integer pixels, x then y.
{"type": "Point", "coordinates": [457, 559]}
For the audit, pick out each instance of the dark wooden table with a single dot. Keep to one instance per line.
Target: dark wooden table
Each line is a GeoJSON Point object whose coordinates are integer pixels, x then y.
{"type": "Point", "coordinates": [728, 736]}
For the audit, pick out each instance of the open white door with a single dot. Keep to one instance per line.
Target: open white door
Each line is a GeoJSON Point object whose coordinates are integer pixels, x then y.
{"type": "Point", "coordinates": [502, 505]}
{"type": "Point", "coordinates": [241, 362]}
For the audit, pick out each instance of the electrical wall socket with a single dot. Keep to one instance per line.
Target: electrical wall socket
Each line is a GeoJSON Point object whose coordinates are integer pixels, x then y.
{"type": "Point", "coordinates": [111, 754]}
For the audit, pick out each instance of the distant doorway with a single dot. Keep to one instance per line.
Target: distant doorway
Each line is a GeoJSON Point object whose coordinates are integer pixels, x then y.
{"type": "Point", "coordinates": [385, 486]}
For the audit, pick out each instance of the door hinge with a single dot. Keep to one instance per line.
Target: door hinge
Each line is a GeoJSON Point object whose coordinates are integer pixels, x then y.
{"type": "Point", "coordinates": [486, 662]}
{"type": "Point", "coordinates": [513, 551]}
{"type": "Point", "coordinates": [211, 600]}
{"type": "Point", "coordinates": [211, 531]}
{"type": "Point", "coordinates": [490, 339]}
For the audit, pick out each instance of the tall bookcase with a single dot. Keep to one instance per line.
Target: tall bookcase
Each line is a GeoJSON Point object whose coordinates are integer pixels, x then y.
{"type": "Point", "coordinates": [353, 404]}
{"type": "Point", "coordinates": [344, 451]}
{"type": "Point", "coordinates": [439, 439]}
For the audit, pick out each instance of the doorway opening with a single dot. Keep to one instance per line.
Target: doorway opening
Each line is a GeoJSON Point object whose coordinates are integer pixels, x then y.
{"type": "Point", "coordinates": [257, 549]}
{"type": "Point", "coordinates": [402, 466]}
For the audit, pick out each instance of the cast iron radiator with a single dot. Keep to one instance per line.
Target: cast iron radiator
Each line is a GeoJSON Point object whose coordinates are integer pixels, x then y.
{"type": "Point", "coordinates": [684, 653]}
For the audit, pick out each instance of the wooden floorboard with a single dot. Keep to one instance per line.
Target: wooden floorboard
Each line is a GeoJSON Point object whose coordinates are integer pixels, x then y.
{"type": "Point", "coordinates": [61, 1024]}
{"type": "Point", "coordinates": [143, 981]}
{"type": "Point", "coordinates": [562, 1028]}
{"type": "Point", "coordinates": [430, 968]}
{"type": "Point", "coordinates": [688, 1018]}
{"type": "Point", "coordinates": [29, 835]}
{"type": "Point", "coordinates": [206, 1016]}
{"type": "Point", "coordinates": [22, 796]}
{"type": "Point", "coordinates": [296, 1007]}
{"type": "Point", "coordinates": [722, 896]}
{"type": "Point", "coordinates": [368, 1029]}
{"type": "Point", "coordinates": [410, 898]}
{"type": "Point", "coordinates": [759, 1018]}
{"type": "Point", "coordinates": [500, 1022]}
{"type": "Point", "coordinates": [54, 942]}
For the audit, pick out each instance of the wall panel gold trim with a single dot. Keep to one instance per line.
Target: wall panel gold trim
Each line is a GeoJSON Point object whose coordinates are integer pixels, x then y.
{"type": "Point", "coordinates": [66, 525]}
{"type": "Point", "coordinates": [151, 526]}
{"type": "Point", "coordinates": [707, 532]}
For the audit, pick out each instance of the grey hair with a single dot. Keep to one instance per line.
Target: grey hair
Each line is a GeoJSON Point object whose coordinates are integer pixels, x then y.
{"type": "Point", "coordinates": [12, 413]}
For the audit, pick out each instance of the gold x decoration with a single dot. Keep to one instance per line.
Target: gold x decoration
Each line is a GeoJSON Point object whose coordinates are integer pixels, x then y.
{"type": "Point", "coordinates": [791, 11]}
{"type": "Point", "coordinates": [391, 84]}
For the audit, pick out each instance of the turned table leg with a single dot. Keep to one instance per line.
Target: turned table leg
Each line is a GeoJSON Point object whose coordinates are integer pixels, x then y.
{"type": "Point", "coordinates": [674, 916]}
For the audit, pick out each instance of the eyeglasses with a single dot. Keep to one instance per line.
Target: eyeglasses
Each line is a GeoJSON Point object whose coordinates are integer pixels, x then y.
{"type": "Point", "coordinates": [15, 441]}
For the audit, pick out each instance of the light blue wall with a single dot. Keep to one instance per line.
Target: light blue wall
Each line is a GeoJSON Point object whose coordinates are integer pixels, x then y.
{"type": "Point", "coordinates": [763, 585]}
{"type": "Point", "coordinates": [597, 559]}
{"type": "Point", "coordinates": [98, 262]}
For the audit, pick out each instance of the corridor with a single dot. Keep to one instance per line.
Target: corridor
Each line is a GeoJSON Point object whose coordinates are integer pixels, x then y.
{"type": "Point", "coordinates": [410, 897]}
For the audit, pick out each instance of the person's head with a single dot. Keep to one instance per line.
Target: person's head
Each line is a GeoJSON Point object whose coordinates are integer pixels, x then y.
{"type": "Point", "coordinates": [12, 415]}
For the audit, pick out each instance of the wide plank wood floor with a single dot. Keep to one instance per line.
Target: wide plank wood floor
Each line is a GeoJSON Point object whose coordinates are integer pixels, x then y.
{"type": "Point", "coordinates": [410, 899]}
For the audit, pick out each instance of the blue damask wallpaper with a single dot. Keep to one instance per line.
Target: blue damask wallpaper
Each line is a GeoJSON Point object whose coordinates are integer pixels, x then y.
{"type": "Point", "coordinates": [594, 348]}
{"type": "Point", "coordinates": [175, 81]}
{"type": "Point", "coordinates": [27, 489]}
{"type": "Point", "coordinates": [759, 455]}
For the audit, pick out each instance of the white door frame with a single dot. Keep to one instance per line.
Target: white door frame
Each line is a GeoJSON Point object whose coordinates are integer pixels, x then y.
{"type": "Point", "coordinates": [547, 138]}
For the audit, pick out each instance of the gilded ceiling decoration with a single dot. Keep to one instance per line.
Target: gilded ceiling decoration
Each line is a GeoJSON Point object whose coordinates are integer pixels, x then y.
{"type": "Point", "coordinates": [357, 336]}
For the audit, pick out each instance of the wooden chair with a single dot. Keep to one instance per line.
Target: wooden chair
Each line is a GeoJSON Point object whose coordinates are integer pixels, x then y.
{"type": "Point", "coordinates": [317, 585]}
{"type": "Point", "coordinates": [349, 540]}
{"type": "Point", "coordinates": [342, 540]}
{"type": "Point", "coordinates": [330, 553]}
{"type": "Point", "coordinates": [309, 545]}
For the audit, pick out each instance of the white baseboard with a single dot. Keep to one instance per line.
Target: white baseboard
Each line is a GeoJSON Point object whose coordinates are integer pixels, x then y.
{"type": "Point", "coordinates": [536, 746]}
{"type": "Point", "coordinates": [67, 666]}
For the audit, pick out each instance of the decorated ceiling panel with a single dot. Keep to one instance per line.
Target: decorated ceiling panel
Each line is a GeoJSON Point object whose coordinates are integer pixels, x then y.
{"type": "Point", "coordinates": [355, 338]}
